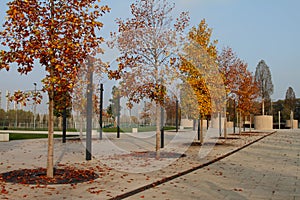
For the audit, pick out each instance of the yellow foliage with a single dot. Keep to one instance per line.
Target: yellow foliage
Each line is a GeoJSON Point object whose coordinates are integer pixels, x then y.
{"type": "Point", "coordinates": [198, 65]}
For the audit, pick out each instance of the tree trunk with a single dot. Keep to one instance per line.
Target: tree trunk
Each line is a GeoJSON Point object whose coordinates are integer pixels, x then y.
{"type": "Point", "coordinates": [50, 136]}
{"type": "Point", "coordinates": [158, 143]}
{"type": "Point", "coordinates": [240, 123]}
{"type": "Point", "coordinates": [60, 119]}
{"type": "Point", "coordinates": [50, 170]}
{"type": "Point", "coordinates": [225, 127]}
{"type": "Point", "coordinates": [263, 107]}
{"type": "Point", "coordinates": [201, 131]}
{"type": "Point", "coordinates": [81, 126]}
{"type": "Point", "coordinates": [250, 123]}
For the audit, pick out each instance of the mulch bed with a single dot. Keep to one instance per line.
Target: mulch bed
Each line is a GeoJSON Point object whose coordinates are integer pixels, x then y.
{"type": "Point", "coordinates": [38, 176]}
{"type": "Point", "coordinates": [152, 154]}
{"type": "Point", "coordinates": [195, 144]}
{"type": "Point", "coordinates": [253, 133]}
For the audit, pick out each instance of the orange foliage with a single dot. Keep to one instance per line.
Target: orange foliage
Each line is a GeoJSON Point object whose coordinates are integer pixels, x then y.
{"type": "Point", "coordinates": [197, 65]}
{"type": "Point", "coordinates": [240, 84]}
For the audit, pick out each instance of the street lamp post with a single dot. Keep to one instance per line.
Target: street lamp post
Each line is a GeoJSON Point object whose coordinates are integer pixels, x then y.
{"type": "Point", "coordinates": [118, 114]}
{"type": "Point", "coordinates": [101, 110]}
{"type": "Point", "coordinates": [34, 107]}
{"type": "Point", "coordinates": [177, 115]}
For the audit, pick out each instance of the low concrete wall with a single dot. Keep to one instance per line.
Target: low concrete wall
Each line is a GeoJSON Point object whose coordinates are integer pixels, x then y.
{"type": "Point", "coordinates": [186, 123]}
{"type": "Point", "coordinates": [288, 124]}
{"type": "Point", "coordinates": [263, 122]}
{"type": "Point", "coordinates": [4, 137]}
{"type": "Point", "coordinates": [216, 121]}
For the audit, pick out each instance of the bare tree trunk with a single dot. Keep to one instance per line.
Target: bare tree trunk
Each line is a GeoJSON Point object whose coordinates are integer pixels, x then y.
{"type": "Point", "coordinates": [201, 131]}
{"type": "Point", "coordinates": [263, 107]}
{"type": "Point", "coordinates": [50, 136]}
{"type": "Point", "coordinates": [60, 119]}
{"type": "Point", "coordinates": [80, 127]}
{"type": "Point", "coordinates": [240, 124]}
{"type": "Point", "coordinates": [250, 123]}
{"type": "Point", "coordinates": [158, 143]}
{"type": "Point", "coordinates": [225, 127]}
{"type": "Point", "coordinates": [50, 170]}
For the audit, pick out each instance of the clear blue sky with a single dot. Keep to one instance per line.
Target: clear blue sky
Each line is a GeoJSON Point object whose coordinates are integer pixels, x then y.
{"type": "Point", "coordinates": [255, 29]}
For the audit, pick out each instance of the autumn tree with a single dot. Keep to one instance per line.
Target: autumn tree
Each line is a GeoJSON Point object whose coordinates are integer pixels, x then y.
{"type": "Point", "coordinates": [239, 82]}
{"type": "Point", "coordinates": [236, 76]}
{"type": "Point", "coordinates": [289, 102]}
{"type": "Point", "coordinates": [264, 79]}
{"type": "Point", "coordinates": [247, 92]}
{"type": "Point", "coordinates": [59, 35]}
{"type": "Point", "coordinates": [198, 65]}
{"type": "Point", "coordinates": [114, 109]}
{"type": "Point", "coordinates": [147, 42]}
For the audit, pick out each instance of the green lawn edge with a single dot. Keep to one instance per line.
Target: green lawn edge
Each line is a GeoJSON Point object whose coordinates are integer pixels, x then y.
{"type": "Point", "coordinates": [26, 136]}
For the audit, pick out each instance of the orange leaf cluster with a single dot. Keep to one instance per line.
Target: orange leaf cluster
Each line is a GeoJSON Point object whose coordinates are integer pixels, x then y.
{"type": "Point", "coordinates": [239, 82]}
{"type": "Point", "coordinates": [58, 34]}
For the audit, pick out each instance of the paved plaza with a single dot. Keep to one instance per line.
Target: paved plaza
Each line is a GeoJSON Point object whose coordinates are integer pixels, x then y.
{"type": "Point", "coordinates": [268, 169]}
{"type": "Point", "coordinates": [259, 165]}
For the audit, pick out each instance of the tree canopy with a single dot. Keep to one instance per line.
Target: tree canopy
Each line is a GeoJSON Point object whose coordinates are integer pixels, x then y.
{"type": "Point", "coordinates": [147, 43]}
{"type": "Point", "coordinates": [59, 35]}
{"type": "Point", "coordinates": [264, 79]}
{"type": "Point", "coordinates": [290, 100]}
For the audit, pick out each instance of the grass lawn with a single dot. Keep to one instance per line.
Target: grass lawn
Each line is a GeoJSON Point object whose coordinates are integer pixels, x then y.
{"type": "Point", "coordinates": [24, 136]}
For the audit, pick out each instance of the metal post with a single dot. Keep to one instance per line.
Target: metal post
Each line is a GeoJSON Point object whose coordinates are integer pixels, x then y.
{"type": "Point", "coordinates": [89, 114]}
{"type": "Point", "coordinates": [64, 125]}
{"type": "Point", "coordinates": [162, 136]}
{"type": "Point", "coordinates": [34, 107]}
{"type": "Point", "coordinates": [176, 115]}
{"type": "Point", "coordinates": [118, 115]}
{"type": "Point", "coordinates": [207, 123]}
{"type": "Point", "coordinates": [100, 111]}
{"type": "Point", "coordinates": [234, 116]}
{"type": "Point", "coordinates": [279, 123]}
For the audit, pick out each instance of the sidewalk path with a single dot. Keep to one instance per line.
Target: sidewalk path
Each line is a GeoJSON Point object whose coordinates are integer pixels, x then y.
{"type": "Point", "coordinates": [268, 169]}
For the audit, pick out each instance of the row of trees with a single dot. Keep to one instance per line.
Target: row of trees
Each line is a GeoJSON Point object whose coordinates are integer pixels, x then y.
{"type": "Point", "coordinates": [15, 117]}
{"type": "Point", "coordinates": [154, 54]}
{"type": "Point", "coordinates": [26, 119]}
